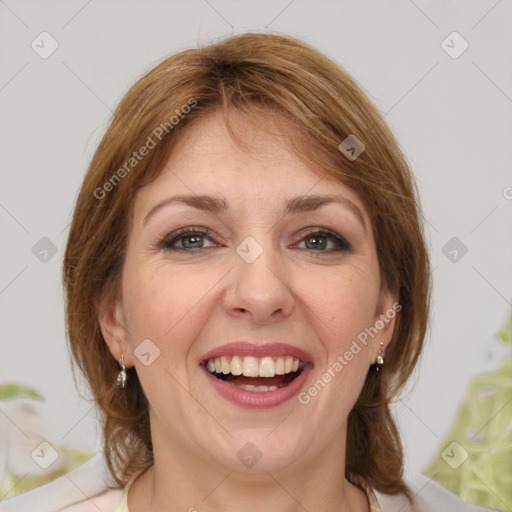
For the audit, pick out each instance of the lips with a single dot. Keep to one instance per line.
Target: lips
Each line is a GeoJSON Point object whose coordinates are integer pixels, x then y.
{"type": "Point", "coordinates": [257, 375]}
{"type": "Point", "coordinates": [245, 348]}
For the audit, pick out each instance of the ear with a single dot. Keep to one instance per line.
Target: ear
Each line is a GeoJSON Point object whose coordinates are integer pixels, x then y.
{"type": "Point", "coordinates": [113, 327]}
{"type": "Point", "coordinates": [385, 320]}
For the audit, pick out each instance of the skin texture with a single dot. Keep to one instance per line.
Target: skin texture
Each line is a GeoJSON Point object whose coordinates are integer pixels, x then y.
{"type": "Point", "coordinates": [190, 303]}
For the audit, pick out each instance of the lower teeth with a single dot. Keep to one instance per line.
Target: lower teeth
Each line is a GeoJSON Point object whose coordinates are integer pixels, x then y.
{"type": "Point", "coordinates": [255, 389]}
{"type": "Point", "coordinates": [262, 388]}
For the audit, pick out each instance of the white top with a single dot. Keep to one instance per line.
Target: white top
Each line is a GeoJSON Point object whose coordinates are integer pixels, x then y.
{"type": "Point", "coordinates": [84, 489]}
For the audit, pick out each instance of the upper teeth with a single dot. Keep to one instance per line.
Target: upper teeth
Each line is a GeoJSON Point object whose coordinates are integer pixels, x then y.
{"type": "Point", "coordinates": [253, 366]}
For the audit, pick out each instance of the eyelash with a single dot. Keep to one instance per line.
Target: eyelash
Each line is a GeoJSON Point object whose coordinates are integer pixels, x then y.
{"type": "Point", "coordinates": [166, 243]}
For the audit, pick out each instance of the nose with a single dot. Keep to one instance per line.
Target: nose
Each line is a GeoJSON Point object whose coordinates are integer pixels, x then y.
{"type": "Point", "coordinates": [259, 288]}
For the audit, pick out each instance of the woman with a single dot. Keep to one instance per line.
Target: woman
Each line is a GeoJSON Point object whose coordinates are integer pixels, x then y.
{"type": "Point", "coordinates": [247, 288]}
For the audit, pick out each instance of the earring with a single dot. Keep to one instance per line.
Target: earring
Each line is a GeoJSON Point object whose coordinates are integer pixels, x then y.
{"type": "Point", "coordinates": [121, 377]}
{"type": "Point", "coordinates": [380, 359]}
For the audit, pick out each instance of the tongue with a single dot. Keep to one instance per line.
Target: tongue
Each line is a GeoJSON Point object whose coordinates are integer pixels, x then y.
{"type": "Point", "coordinates": [256, 381]}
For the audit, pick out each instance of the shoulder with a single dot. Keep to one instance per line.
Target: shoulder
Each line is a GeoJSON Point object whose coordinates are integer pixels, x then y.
{"type": "Point", "coordinates": [429, 496]}
{"type": "Point", "coordinates": [83, 489]}
{"type": "Point", "coordinates": [111, 500]}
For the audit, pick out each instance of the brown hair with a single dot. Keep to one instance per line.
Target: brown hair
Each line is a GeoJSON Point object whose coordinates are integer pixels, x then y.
{"type": "Point", "coordinates": [252, 73]}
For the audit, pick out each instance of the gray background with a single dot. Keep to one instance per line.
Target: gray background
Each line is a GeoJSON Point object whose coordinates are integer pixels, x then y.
{"type": "Point", "coordinates": [452, 117]}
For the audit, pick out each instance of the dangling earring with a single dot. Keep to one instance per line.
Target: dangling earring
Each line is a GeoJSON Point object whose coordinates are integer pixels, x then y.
{"type": "Point", "coordinates": [121, 376]}
{"type": "Point", "coordinates": [380, 359]}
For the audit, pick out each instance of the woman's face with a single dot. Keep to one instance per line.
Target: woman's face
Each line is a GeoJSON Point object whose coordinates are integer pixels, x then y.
{"type": "Point", "coordinates": [251, 287]}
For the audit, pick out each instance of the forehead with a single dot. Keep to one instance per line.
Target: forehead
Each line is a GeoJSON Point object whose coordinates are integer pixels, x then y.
{"type": "Point", "coordinates": [254, 141]}
{"type": "Point", "coordinates": [251, 160]}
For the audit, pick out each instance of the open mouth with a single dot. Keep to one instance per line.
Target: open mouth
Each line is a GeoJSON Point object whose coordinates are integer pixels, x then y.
{"type": "Point", "coordinates": [256, 374]}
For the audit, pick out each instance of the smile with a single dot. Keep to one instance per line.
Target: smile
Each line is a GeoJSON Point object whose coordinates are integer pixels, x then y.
{"type": "Point", "coordinates": [257, 375]}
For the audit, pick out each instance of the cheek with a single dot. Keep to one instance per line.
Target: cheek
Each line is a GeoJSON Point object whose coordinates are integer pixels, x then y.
{"type": "Point", "coordinates": [163, 306]}
{"type": "Point", "coordinates": [343, 304]}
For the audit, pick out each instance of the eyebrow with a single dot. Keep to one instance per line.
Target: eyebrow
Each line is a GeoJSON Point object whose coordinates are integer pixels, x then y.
{"type": "Point", "coordinates": [295, 205]}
